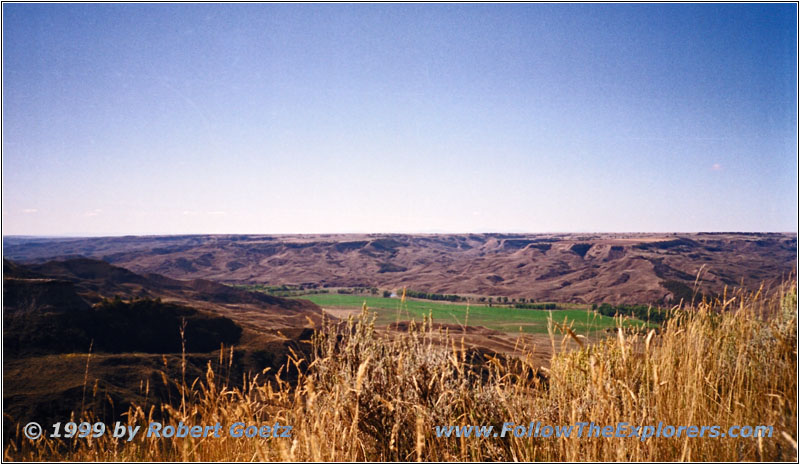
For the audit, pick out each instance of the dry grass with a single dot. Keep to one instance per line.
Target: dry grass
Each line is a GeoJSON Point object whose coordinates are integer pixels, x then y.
{"type": "Point", "coordinates": [366, 397]}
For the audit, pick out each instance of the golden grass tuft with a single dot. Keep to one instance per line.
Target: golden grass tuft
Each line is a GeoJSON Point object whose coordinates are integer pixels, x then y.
{"type": "Point", "coordinates": [363, 396]}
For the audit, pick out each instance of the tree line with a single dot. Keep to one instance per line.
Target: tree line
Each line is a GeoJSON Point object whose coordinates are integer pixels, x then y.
{"type": "Point", "coordinates": [532, 306]}
{"type": "Point", "coordinates": [640, 312]}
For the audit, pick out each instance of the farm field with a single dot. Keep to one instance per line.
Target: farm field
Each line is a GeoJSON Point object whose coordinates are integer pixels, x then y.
{"type": "Point", "coordinates": [511, 320]}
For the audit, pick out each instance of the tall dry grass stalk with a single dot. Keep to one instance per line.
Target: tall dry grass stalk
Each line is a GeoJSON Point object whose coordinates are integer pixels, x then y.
{"type": "Point", "coordinates": [366, 396]}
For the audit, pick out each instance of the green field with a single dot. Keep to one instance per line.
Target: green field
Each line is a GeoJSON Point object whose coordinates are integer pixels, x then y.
{"type": "Point", "coordinates": [505, 319]}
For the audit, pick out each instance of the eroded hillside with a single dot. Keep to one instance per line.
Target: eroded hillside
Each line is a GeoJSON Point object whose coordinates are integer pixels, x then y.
{"type": "Point", "coordinates": [616, 268]}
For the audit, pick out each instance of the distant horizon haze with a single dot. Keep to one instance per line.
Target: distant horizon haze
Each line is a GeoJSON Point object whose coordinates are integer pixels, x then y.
{"type": "Point", "coordinates": [397, 233]}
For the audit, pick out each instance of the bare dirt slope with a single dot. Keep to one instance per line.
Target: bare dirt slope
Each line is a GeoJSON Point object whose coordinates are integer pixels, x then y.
{"type": "Point", "coordinates": [614, 268]}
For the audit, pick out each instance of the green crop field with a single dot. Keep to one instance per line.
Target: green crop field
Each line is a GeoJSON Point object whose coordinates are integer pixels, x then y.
{"type": "Point", "coordinates": [505, 319]}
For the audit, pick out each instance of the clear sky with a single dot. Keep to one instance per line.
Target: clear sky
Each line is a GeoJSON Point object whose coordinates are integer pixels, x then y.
{"type": "Point", "coordinates": [267, 118]}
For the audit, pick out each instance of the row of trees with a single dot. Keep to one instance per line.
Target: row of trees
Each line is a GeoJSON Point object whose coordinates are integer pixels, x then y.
{"type": "Point", "coordinates": [434, 296]}
{"type": "Point", "coordinates": [358, 290]}
{"type": "Point", "coordinates": [532, 306]}
{"type": "Point", "coordinates": [641, 312]}
{"type": "Point", "coordinates": [521, 303]}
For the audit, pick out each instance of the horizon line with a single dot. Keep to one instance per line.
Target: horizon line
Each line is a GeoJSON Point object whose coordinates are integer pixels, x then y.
{"type": "Point", "coordinates": [100, 236]}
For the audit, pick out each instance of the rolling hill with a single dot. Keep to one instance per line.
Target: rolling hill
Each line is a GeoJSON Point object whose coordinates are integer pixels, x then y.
{"type": "Point", "coordinates": [81, 332]}
{"type": "Point", "coordinates": [580, 268]}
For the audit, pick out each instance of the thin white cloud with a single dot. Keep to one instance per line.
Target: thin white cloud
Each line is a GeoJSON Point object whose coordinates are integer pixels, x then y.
{"type": "Point", "coordinates": [94, 212]}
{"type": "Point", "coordinates": [190, 212]}
{"type": "Point", "coordinates": [217, 213]}
{"type": "Point", "coordinates": [29, 211]}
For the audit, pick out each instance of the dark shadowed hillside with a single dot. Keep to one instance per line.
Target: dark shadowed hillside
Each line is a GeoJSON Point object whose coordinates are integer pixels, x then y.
{"type": "Point", "coordinates": [82, 332]}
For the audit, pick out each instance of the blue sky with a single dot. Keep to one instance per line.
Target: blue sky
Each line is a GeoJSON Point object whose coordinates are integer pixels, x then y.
{"type": "Point", "coordinates": [266, 118]}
